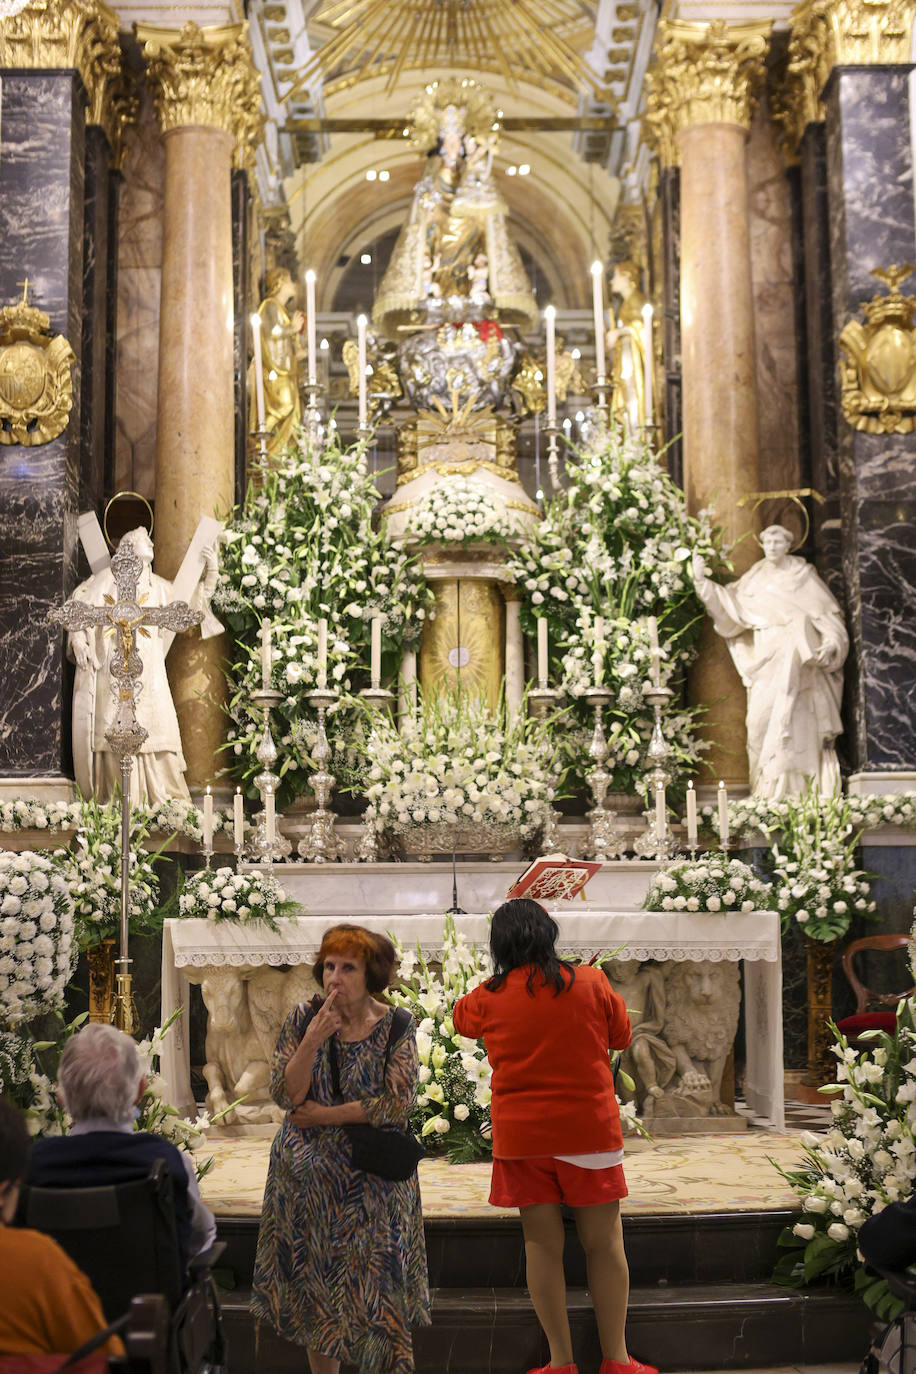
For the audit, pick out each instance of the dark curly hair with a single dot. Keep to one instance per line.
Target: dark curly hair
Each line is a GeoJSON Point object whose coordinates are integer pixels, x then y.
{"type": "Point", "coordinates": [376, 951]}
{"type": "Point", "coordinates": [522, 935]}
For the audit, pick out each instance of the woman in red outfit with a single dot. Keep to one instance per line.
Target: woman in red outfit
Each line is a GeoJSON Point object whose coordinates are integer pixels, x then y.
{"type": "Point", "coordinates": [548, 1027]}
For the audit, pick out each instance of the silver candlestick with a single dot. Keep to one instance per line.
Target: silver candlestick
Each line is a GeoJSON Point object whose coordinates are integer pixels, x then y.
{"type": "Point", "coordinates": [603, 840]}
{"type": "Point", "coordinates": [542, 699]}
{"type": "Point", "coordinates": [658, 756]}
{"type": "Point", "coordinates": [553, 455]}
{"type": "Point", "coordinates": [322, 844]}
{"type": "Point", "coordinates": [312, 427]}
{"type": "Point", "coordinates": [261, 848]}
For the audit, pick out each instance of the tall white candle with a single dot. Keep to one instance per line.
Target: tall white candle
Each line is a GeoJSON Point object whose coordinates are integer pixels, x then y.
{"type": "Point", "coordinates": [322, 654]}
{"type": "Point", "coordinates": [375, 657]}
{"type": "Point", "coordinates": [270, 816]}
{"type": "Point", "coordinates": [598, 651]}
{"type": "Point", "coordinates": [266, 653]}
{"type": "Point", "coordinates": [598, 303]}
{"type": "Point", "coordinates": [654, 651]}
{"type": "Point", "coordinates": [258, 368]}
{"type": "Point", "coordinates": [238, 818]}
{"type": "Point", "coordinates": [208, 818]}
{"type": "Point", "coordinates": [550, 317]}
{"type": "Point", "coordinates": [361, 326]}
{"type": "Point", "coordinates": [691, 816]}
{"type": "Point", "coordinates": [661, 818]}
{"type": "Point", "coordinates": [647, 313]}
{"type": "Point", "coordinates": [723, 813]}
{"type": "Point", "coordinates": [311, 321]}
{"type": "Point", "coordinates": [542, 651]}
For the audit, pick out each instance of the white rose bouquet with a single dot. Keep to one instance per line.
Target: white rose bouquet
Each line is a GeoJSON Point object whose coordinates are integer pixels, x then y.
{"type": "Point", "coordinates": [37, 945]}
{"type": "Point", "coordinates": [818, 884]}
{"type": "Point", "coordinates": [866, 1160]}
{"type": "Point", "coordinates": [458, 512]}
{"type": "Point", "coordinates": [221, 894]}
{"type": "Point", "coordinates": [711, 883]}
{"type": "Point", "coordinates": [457, 763]}
{"type": "Point", "coordinates": [452, 1113]}
{"type": "Point", "coordinates": [92, 868]}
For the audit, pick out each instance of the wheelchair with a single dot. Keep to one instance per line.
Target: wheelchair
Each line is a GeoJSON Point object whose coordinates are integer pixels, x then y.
{"type": "Point", "coordinates": [893, 1351]}
{"type": "Point", "coordinates": [123, 1237]}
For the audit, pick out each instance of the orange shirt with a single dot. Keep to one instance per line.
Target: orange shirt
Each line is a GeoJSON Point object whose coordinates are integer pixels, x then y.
{"type": "Point", "coordinates": [553, 1090]}
{"type": "Point", "coordinates": [48, 1306]}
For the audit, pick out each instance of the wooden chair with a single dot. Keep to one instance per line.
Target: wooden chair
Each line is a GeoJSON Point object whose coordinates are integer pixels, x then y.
{"type": "Point", "coordinates": [864, 1018]}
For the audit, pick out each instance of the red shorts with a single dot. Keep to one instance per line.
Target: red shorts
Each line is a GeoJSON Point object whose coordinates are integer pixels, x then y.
{"type": "Point", "coordinates": [530, 1182]}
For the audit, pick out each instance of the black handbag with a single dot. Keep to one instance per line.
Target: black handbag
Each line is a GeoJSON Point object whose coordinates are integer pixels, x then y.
{"type": "Point", "coordinates": [386, 1151]}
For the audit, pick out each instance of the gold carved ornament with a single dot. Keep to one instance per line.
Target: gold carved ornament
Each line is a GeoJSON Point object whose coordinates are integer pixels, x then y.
{"type": "Point", "coordinates": [878, 371]}
{"type": "Point", "coordinates": [207, 77]}
{"type": "Point", "coordinates": [703, 74]}
{"type": "Point", "coordinates": [82, 35]}
{"type": "Point", "coordinates": [36, 389]}
{"type": "Point", "coordinates": [838, 33]}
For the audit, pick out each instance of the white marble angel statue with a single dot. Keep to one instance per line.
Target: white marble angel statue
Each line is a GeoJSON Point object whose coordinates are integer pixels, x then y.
{"type": "Point", "coordinates": [158, 771]}
{"type": "Point", "coordinates": [786, 635]}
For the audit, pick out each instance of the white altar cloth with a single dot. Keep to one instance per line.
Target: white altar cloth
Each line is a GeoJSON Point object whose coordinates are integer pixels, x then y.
{"type": "Point", "coordinates": [749, 936]}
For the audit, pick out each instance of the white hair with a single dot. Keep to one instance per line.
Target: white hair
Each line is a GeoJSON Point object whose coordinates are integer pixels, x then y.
{"type": "Point", "coordinates": [99, 1074]}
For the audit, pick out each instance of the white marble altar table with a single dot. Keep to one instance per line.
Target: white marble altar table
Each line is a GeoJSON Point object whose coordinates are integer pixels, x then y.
{"type": "Point", "coordinates": [752, 937]}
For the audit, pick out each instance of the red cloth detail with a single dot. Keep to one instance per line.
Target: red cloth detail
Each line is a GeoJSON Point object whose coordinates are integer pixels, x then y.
{"type": "Point", "coordinates": [553, 1090]}
{"type": "Point", "coordinates": [868, 1020]}
{"type": "Point", "coordinates": [488, 329]}
{"type": "Point", "coordinates": [532, 1182]}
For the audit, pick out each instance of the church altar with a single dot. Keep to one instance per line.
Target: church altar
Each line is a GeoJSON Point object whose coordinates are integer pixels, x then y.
{"type": "Point", "coordinates": [585, 930]}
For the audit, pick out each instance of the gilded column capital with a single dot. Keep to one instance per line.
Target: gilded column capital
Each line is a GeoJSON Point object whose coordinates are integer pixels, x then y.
{"type": "Point", "coordinates": [838, 33]}
{"type": "Point", "coordinates": [206, 77]}
{"type": "Point", "coordinates": [57, 35]}
{"type": "Point", "coordinates": [702, 74]}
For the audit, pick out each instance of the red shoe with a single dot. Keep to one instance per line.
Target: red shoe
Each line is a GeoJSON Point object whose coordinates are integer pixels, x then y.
{"type": "Point", "coordinates": [626, 1367]}
{"type": "Point", "coordinates": [556, 1369]}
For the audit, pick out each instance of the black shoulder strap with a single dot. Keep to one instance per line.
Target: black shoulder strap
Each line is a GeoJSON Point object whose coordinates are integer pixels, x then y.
{"type": "Point", "coordinates": [401, 1022]}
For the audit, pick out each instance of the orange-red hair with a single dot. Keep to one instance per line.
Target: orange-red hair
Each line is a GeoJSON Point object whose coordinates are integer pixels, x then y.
{"type": "Point", "coordinates": [376, 951]}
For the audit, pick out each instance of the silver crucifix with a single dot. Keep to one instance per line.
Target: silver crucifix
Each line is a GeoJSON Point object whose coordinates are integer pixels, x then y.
{"type": "Point", "coordinates": [124, 618]}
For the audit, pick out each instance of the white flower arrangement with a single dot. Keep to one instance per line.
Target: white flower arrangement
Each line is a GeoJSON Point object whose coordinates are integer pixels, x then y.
{"type": "Point", "coordinates": [157, 1115]}
{"type": "Point", "coordinates": [617, 544]}
{"type": "Point", "coordinates": [455, 762]}
{"type": "Point", "coordinates": [711, 883]}
{"type": "Point", "coordinates": [170, 817]}
{"type": "Point", "coordinates": [453, 1105]}
{"type": "Point", "coordinates": [866, 1160]}
{"type": "Point", "coordinates": [457, 512]}
{"type": "Point", "coordinates": [222, 894]}
{"type": "Point", "coordinates": [92, 869]}
{"type": "Point", "coordinates": [304, 547]}
{"type": "Point", "coordinates": [817, 883]}
{"type": "Point", "coordinates": [37, 946]}
{"type": "Point", "coordinates": [759, 814]}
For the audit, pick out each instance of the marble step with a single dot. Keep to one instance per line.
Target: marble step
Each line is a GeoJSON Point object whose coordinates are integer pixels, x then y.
{"type": "Point", "coordinates": [696, 1326]}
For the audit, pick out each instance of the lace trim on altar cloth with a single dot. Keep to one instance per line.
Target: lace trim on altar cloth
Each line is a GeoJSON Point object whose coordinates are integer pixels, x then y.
{"type": "Point", "coordinates": [255, 958]}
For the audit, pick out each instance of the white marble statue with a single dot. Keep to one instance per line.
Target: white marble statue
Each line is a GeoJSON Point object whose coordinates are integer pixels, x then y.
{"type": "Point", "coordinates": [786, 635]}
{"type": "Point", "coordinates": [649, 1060]}
{"type": "Point", "coordinates": [238, 1063]}
{"type": "Point", "coordinates": [158, 771]}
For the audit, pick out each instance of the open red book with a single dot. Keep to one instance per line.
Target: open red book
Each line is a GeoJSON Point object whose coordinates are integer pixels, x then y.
{"type": "Point", "coordinates": [555, 877]}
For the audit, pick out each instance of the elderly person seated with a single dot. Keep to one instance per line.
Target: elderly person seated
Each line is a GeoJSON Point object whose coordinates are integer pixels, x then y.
{"type": "Point", "coordinates": [100, 1082]}
{"type": "Point", "coordinates": [48, 1305]}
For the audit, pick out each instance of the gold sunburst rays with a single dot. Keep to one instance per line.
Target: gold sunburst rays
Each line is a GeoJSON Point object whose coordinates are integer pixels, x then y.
{"type": "Point", "coordinates": [539, 38]}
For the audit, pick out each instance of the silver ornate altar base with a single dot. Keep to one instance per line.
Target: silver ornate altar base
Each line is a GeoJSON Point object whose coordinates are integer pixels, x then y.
{"type": "Point", "coordinates": [753, 937]}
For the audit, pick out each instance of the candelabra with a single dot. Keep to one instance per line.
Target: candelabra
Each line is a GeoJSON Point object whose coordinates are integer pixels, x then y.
{"type": "Point", "coordinates": [658, 840]}
{"type": "Point", "coordinates": [367, 850]}
{"type": "Point", "coordinates": [311, 419]}
{"type": "Point", "coordinates": [603, 840]}
{"type": "Point", "coordinates": [542, 698]}
{"type": "Point", "coordinates": [267, 842]}
{"type": "Point", "coordinates": [322, 844]}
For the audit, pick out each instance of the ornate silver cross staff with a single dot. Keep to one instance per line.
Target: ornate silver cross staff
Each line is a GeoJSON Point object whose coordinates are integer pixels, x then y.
{"type": "Point", "coordinates": [124, 618]}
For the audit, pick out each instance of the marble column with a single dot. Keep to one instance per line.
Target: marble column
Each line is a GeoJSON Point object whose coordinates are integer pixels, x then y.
{"type": "Point", "coordinates": [206, 94]}
{"type": "Point", "coordinates": [58, 71]}
{"type": "Point", "coordinates": [700, 104]}
{"type": "Point", "coordinates": [851, 97]}
{"type": "Point", "coordinates": [515, 651]}
{"type": "Point", "coordinates": [669, 194]}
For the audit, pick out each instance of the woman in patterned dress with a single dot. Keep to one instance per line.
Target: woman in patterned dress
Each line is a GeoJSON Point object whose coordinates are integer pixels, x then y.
{"type": "Point", "coordinates": [341, 1262]}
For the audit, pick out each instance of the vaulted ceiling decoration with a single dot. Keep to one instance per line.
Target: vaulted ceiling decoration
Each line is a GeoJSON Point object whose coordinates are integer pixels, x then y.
{"type": "Point", "coordinates": [540, 38]}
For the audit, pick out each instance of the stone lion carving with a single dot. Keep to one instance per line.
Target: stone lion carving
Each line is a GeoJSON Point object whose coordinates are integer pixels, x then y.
{"type": "Point", "coordinates": [701, 1017]}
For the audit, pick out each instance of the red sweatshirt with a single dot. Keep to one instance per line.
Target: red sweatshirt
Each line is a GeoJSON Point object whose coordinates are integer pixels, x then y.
{"type": "Point", "coordinates": [553, 1091]}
